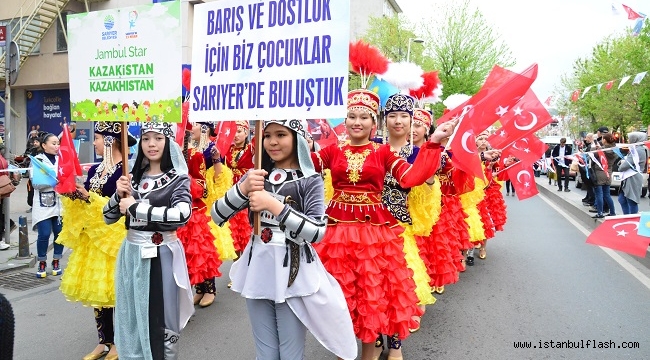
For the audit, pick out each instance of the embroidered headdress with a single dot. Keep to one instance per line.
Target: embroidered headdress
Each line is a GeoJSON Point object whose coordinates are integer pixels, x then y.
{"type": "Point", "coordinates": [298, 126]}
{"type": "Point", "coordinates": [111, 130]}
{"type": "Point", "coordinates": [176, 152]}
{"type": "Point", "coordinates": [423, 117]}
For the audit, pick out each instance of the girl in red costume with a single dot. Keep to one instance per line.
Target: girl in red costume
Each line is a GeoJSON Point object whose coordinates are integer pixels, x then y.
{"type": "Point", "coordinates": [360, 248]}
{"type": "Point", "coordinates": [492, 207]}
{"type": "Point", "coordinates": [436, 249]}
{"type": "Point", "coordinates": [239, 158]}
{"type": "Point", "coordinates": [202, 257]}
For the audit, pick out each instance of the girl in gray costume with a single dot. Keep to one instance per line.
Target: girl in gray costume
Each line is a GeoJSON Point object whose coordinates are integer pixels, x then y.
{"type": "Point", "coordinates": [287, 289]}
{"type": "Point", "coordinates": [152, 287]}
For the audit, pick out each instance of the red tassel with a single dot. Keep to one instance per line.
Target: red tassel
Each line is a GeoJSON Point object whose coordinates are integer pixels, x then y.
{"type": "Point", "coordinates": [431, 82]}
{"type": "Point", "coordinates": [366, 59]}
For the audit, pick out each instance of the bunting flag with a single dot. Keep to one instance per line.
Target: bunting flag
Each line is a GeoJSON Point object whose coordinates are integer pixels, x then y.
{"type": "Point", "coordinates": [638, 78]}
{"type": "Point", "coordinates": [623, 81]}
{"type": "Point", "coordinates": [620, 233]}
{"type": "Point", "coordinates": [575, 96]}
{"type": "Point", "coordinates": [548, 100]}
{"type": "Point", "coordinates": [68, 165]}
{"type": "Point", "coordinates": [614, 10]}
{"type": "Point", "coordinates": [638, 25]}
{"type": "Point", "coordinates": [631, 14]}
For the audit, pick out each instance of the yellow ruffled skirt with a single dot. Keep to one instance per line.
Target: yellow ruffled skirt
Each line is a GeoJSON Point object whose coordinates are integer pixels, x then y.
{"type": "Point", "coordinates": [415, 263]}
{"type": "Point", "coordinates": [89, 275]}
{"type": "Point", "coordinates": [470, 201]}
{"type": "Point", "coordinates": [216, 189]}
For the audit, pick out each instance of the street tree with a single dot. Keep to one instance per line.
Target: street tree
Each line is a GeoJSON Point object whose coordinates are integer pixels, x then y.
{"type": "Point", "coordinates": [463, 46]}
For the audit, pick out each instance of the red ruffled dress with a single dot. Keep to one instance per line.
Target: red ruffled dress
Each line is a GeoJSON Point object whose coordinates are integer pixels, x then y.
{"type": "Point", "coordinates": [495, 201]}
{"type": "Point", "coordinates": [198, 242]}
{"type": "Point", "coordinates": [240, 160]}
{"type": "Point", "coordinates": [484, 205]}
{"type": "Point", "coordinates": [361, 248]}
{"type": "Point", "coordinates": [441, 250]}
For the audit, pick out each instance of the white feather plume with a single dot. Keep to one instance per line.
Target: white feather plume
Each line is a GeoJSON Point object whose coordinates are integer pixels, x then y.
{"type": "Point", "coordinates": [403, 75]}
{"type": "Point", "coordinates": [454, 100]}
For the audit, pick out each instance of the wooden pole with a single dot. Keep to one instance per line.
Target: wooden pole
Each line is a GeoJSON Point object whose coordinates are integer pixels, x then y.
{"type": "Point", "coordinates": [259, 130]}
{"type": "Point", "coordinates": [125, 149]}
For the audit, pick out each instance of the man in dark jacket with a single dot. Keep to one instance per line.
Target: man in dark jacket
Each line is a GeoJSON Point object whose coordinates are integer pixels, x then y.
{"type": "Point", "coordinates": [562, 160]}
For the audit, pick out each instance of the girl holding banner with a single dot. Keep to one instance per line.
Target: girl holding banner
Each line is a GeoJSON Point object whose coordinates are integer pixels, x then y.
{"type": "Point", "coordinates": [360, 248]}
{"type": "Point", "coordinates": [90, 274]}
{"type": "Point", "coordinates": [286, 287]}
{"type": "Point", "coordinates": [153, 291]}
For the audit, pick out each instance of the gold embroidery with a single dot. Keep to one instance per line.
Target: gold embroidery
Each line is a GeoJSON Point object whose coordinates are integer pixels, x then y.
{"type": "Point", "coordinates": [234, 157]}
{"type": "Point", "coordinates": [354, 199]}
{"type": "Point", "coordinates": [355, 164]}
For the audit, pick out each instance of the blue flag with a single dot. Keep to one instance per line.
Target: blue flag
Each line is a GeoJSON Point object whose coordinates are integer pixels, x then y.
{"type": "Point", "coordinates": [644, 224]}
{"type": "Point", "coordinates": [41, 173]}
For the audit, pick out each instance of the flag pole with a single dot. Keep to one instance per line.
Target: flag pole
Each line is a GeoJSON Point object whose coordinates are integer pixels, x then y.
{"type": "Point", "coordinates": [124, 133]}
{"type": "Point", "coordinates": [259, 129]}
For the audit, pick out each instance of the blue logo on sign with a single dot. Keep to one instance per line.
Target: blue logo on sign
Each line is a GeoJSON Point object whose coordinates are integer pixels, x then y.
{"type": "Point", "coordinates": [109, 21]}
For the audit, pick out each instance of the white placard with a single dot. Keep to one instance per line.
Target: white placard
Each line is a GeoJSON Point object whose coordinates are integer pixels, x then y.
{"type": "Point", "coordinates": [270, 59]}
{"type": "Point", "coordinates": [125, 64]}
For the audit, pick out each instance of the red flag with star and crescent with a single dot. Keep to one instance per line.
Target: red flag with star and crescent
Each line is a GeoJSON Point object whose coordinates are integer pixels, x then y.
{"type": "Point", "coordinates": [620, 233]}
{"type": "Point", "coordinates": [502, 89]}
{"type": "Point", "coordinates": [528, 149]}
{"type": "Point", "coordinates": [69, 166]}
{"type": "Point", "coordinates": [225, 131]}
{"type": "Point", "coordinates": [631, 14]}
{"type": "Point", "coordinates": [526, 117]}
{"type": "Point", "coordinates": [523, 181]}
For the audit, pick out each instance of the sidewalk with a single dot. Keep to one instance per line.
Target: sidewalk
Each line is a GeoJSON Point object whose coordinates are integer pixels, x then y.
{"type": "Point", "coordinates": [18, 207]}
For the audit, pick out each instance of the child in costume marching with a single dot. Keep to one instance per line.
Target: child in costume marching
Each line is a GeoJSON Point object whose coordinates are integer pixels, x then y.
{"type": "Point", "coordinates": [90, 274]}
{"type": "Point", "coordinates": [286, 287]}
{"type": "Point", "coordinates": [153, 291]}
{"type": "Point", "coordinates": [360, 248]}
{"type": "Point", "coordinates": [411, 207]}
{"type": "Point", "coordinates": [203, 260]}
{"type": "Point", "coordinates": [239, 159]}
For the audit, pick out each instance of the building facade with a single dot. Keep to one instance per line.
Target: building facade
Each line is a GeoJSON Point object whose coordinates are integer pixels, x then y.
{"type": "Point", "coordinates": [40, 96]}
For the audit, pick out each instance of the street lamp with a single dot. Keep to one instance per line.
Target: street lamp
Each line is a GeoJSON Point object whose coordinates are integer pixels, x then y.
{"type": "Point", "coordinates": [408, 52]}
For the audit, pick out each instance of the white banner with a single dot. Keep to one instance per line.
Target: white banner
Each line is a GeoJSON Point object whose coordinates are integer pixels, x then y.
{"type": "Point", "coordinates": [125, 64]}
{"type": "Point", "coordinates": [270, 59]}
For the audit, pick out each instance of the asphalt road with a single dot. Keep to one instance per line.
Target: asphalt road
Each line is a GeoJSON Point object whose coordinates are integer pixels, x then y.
{"type": "Point", "coordinates": [539, 283]}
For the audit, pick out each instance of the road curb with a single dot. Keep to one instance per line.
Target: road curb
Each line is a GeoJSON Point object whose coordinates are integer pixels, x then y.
{"type": "Point", "coordinates": [573, 209]}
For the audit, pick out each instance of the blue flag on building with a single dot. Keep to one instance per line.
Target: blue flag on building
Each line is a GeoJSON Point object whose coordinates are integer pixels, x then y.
{"type": "Point", "coordinates": [41, 173]}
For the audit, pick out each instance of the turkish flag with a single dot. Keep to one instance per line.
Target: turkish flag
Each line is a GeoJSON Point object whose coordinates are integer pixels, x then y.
{"type": "Point", "coordinates": [502, 89]}
{"type": "Point", "coordinates": [526, 117]}
{"type": "Point", "coordinates": [225, 131]}
{"type": "Point", "coordinates": [523, 180]}
{"type": "Point", "coordinates": [69, 165]}
{"type": "Point", "coordinates": [609, 84]}
{"type": "Point", "coordinates": [631, 14]}
{"type": "Point", "coordinates": [620, 233]}
{"type": "Point", "coordinates": [575, 96]}
{"type": "Point", "coordinates": [528, 149]}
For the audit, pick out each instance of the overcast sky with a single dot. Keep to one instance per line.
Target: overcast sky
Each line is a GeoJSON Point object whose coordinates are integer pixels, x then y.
{"type": "Point", "coordinates": [552, 33]}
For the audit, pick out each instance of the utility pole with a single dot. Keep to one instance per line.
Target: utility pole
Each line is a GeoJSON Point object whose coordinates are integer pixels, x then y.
{"type": "Point", "coordinates": [12, 65]}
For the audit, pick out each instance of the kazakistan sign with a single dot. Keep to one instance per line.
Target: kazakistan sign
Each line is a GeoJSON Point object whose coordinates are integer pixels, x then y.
{"type": "Point", "coordinates": [270, 59]}
{"type": "Point", "coordinates": [125, 64]}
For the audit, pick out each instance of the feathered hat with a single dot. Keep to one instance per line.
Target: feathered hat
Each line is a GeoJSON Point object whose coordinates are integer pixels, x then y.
{"type": "Point", "coordinates": [366, 61]}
